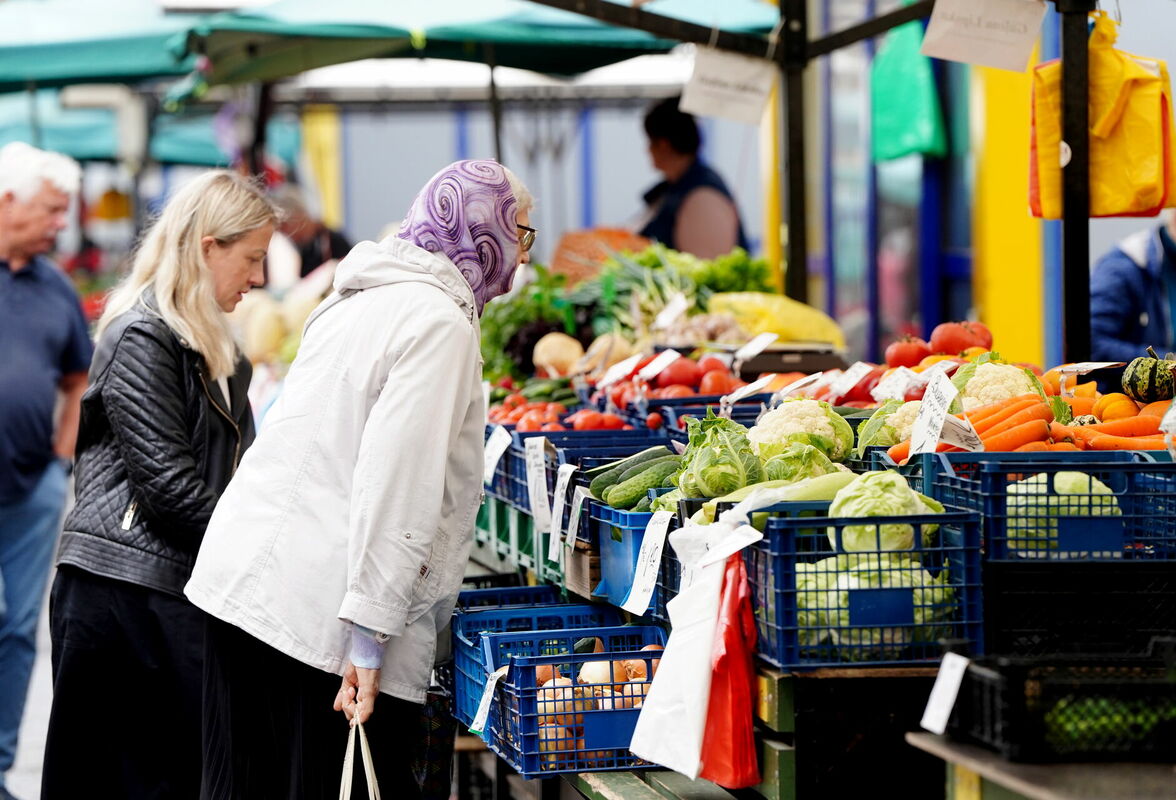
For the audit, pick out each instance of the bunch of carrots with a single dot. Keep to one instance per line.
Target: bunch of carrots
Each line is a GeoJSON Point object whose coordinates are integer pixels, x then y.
{"type": "Point", "coordinates": [1026, 424]}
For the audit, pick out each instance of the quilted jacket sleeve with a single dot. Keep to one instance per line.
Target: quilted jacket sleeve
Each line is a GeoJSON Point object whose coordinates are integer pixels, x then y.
{"type": "Point", "coordinates": [1116, 301]}
{"type": "Point", "coordinates": [143, 396]}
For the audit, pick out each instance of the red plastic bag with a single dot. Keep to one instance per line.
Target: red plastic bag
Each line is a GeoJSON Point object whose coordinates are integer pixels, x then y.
{"type": "Point", "coordinates": [728, 747]}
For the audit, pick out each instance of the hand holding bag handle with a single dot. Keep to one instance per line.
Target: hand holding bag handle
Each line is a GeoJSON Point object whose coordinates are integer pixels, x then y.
{"type": "Point", "coordinates": [369, 769]}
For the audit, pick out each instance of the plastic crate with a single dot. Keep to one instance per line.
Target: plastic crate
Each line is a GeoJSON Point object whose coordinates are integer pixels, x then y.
{"type": "Point", "coordinates": [468, 629]}
{"type": "Point", "coordinates": [598, 738]}
{"type": "Point", "coordinates": [891, 607]}
{"type": "Point", "coordinates": [867, 461]}
{"type": "Point", "coordinates": [491, 580]}
{"type": "Point", "coordinates": [513, 595]}
{"type": "Point", "coordinates": [744, 413]}
{"type": "Point", "coordinates": [1049, 710]}
{"type": "Point", "coordinates": [1024, 518]}
{"type": "Point", "coordinates": [619, 535]}
{"type": "Point", "coordinates": [669, 581]}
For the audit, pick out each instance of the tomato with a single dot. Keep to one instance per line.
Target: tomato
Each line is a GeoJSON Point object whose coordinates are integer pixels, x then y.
{"type": "Point", "coordinates": [654, 421]}
{"type": "Point", "coordinates": [860, 393]}
{"type": "Point", "coordinates": [588, 421]}
{"type": "Point", "coordinates": [682, 372]}
{"type": "Point", "coordinates": [559, 408]}
{"type": "Point", "coordinates": [514, 416]}
{"type": "Point", "coordinates": [684, 422]}
{"type": "Point", "coordinates": [513, 401]}
{"type": "Point", "coordinates": [981, 332]}
{"type": "Point", "coordinates": [907, 352]}
{"type": "Point", "coordinates": [914, 393]}
{"type": "Point", "coordinates": [710, 363]}
{"type": "Point", "coordinates": [611, 422]}
{"type": "Point", "coordinates": [953, 338]}
{"type": "Point", "coordinates": [673, 392]}
{"type": "Point", "coordinates": [550, 415]}
{"type": "Point", "coordinates": [553, 426]}
{"type": "Point", "coordinates": [531, 421]}
{"type": "Point", "coordinates": [506, 382]}
{"type": "Point", "coordinates": [717, 381]}
{"type": "Point", "coordinates": [616, 393]}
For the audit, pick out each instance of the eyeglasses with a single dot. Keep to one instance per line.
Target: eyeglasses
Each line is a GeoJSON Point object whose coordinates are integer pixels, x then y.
{"type": "Point", "coordinates": [526, 237]}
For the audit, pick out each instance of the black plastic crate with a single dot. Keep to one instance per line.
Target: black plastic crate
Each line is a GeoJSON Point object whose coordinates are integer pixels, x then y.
{"type": "Point", "coordinates": [1045, 607]}
{"type": "Point", "coordinates": [1050, 710]}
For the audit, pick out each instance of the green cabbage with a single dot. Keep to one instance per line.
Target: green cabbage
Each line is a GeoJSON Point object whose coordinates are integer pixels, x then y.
{"type": "Point", "coordinates": [798, 462]}
{"type": "Point", "coordinates": [718, 460]}
{"type": "Point", "coordinates": [881, 494]}
{"type": "Point", "coordinates": [667, 501]}
{"type": "Point", "coordinates": [1034, 506]}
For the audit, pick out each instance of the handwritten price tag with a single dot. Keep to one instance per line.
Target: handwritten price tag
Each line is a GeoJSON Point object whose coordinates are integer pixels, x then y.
{"type": "Point", "coordinates": [648, 563]}
{"type": "Point", "coordinates": [960, 433]}
{"type": "Point", "coordinates": [925, 434]}
{"type": "Point", "coordinates": [658, 365]}
{"type": "Point", "coordinates": [562, 478]}
{"type": "Point", "coordinates": [537, 482]}
{"type": "Point", "coordinates": [495, 446]}
{"type": "Point", "coordinates": [619, 370]}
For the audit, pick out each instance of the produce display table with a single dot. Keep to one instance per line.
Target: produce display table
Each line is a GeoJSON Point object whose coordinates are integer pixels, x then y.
{"type": "Point", "coordinates": [977, 774]}
{"type": "Point", "coordinates": [654, 785]}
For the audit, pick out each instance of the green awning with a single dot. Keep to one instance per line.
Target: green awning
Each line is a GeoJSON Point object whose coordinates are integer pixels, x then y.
{"type": "Point", "coordinates": [50, 43]}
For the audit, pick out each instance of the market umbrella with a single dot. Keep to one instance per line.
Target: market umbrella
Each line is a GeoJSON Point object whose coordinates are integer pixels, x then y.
{"type": "Point", "coordinates": [47, 43]}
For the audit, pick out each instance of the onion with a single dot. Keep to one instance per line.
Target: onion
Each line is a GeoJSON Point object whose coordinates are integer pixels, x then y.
{"type": "Point", "coordinates": [553, 740]}
{"type": "Point", "coordinates": [606, 672]}
{"type": "Point", "coordinates": [635, 669]}
{"type": "Point", "coordinates": [656, 661]}
{"type": "Point", "coordinates": [633, 694]}
{"type": "Point", "coordinates": [605, 699]}
{"type": "Point", "coordinates": [556, 699]}
{"type": "Point", "coordinates": [545, 672]}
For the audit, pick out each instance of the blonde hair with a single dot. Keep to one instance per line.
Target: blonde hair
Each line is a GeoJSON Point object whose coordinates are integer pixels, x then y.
{"type": "Point", "coordinates": [170, 260]}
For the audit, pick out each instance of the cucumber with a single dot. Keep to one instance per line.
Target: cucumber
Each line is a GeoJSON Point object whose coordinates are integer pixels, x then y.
{"type": "Point", "coordinates": [629, 493]}
{"type": "Point", "coordinates": [644, 505]}
{"type": "Point", "coordinates": [629, 461]}
{"type": "Point", "coordinates": [638, 469]}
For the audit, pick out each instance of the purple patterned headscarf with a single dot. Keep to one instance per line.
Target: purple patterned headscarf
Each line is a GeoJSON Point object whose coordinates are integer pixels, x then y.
{"type": "Point", "coordinates": [467, 212]}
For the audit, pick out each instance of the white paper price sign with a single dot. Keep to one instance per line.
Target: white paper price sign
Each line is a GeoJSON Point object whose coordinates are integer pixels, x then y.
{"type": "Point", "coordinates": [755, 387]}
{"type": "Point", "coordinates": [729, 85]}
{"type": "Point", "coordinates": [895, 385]}
{"type": "Point", "coordinates": [480, 716]}
{"type": "Point", "coordinates": [658, 365]}
{"type": "Point", "coordinates": [1081, 368]}
{"type": "Point", "coordinates": [674, 309]}
{"type": "Point", "coordinates": [928, 426]}
{"type": "Point", "coordinates": [799, 385]}
{"type": "Point", "coordinates": [619, 370]}
{"type": "Point", "coordinates": [848, 379]}
{"type": "Point", "coordinates": [961, 434]}
{"type": "Point", "coordinates": [944, 693]}
{"type": "Point", "coordinates": [994, 33]}
{"type": "Point", "coordinates": [537, 482]}
{"type": "Point", "coordinates": [562, 478]}
{"type": "Point", "coordinates": [648, 563]}
{"type": "Point", "coordinates": [578, 497]}
{"type": "Point", "coordinates": [495, 446]}
{"type": "Point", "coordinates": [755, 347]}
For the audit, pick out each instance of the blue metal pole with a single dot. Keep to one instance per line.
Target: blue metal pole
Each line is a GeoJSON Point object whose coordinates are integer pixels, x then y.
{"type": "Point", "coordinates": [828, 269]}
{"type": "Point", "coordinates": [1051, 229]}
{"type": "Point", "coordinates": [587, 169]}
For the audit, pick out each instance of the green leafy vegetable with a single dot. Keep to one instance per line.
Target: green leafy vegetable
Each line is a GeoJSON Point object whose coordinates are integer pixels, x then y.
{"type": "Point", "coordinates": [798, 462]}
{"type": "Point", "coordinates": [719, 459]}
{"type": "Point", "coordinates": [881, 494]}
{"type": "Point", "coordinates": [1035, 504]}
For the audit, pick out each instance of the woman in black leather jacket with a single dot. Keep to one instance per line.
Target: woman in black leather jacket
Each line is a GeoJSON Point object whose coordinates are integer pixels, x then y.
{"type": "Point", "coordinates": [164, 423]}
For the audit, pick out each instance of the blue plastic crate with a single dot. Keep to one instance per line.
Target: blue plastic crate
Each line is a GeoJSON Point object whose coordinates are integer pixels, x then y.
{"type": "Point", "coordinates": [870, 607]}
{"type": "Point", "coordinates": [744, 413]}
{"type": "Point", "coordinates": [619, 535]}
{"type": "Point", "coordinates": [498, 596]}
{"type": "Point", "coordinates": [1026, 518]}
{"type": "Point", "coordinates": [596, 732]}
{"type": "Point", "coordinates": [469, 628]}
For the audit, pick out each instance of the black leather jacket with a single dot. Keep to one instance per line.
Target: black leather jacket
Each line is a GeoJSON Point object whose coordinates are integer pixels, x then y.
{"type": "Point", "coordinates": [156, 447]}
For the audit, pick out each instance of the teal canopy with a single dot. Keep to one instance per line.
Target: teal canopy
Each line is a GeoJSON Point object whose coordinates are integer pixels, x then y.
{"type": "Point", "coordinates": [60, 42]}
{"type": "Point", "coordinates": [92, 134]}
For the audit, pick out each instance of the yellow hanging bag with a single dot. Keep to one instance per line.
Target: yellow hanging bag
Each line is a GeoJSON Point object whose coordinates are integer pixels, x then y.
{"type": "Point", "coordinates": [1132, 166]}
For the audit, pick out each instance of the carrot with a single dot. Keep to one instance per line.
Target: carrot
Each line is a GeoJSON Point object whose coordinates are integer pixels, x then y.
{"type": "Point", "coordinates": [981, 413]}
{"type": "Point", "coordinates": [1156, 409]}
{"type": "Point", "coordinates": [1012, 438]}
{"type": "Point", "coordinates": [1065, 447]}
{"type": "Point", "coordinates": [900, 452]}
{"type": "Point", "coordinates": [1129, 426]}
{"type": "Point", "coordinates": [1032, 447]}
{"type": "Point", "coordinates": [998, 419]}
{"type": "Point", "coordinates": [1039, 411]}
{"type": "Point", "coordinates": [1080, 405]}
{"type": "Point", "coordinates": [1060, 433]}
{"type": "Point", "coordinates": [1108, 442]}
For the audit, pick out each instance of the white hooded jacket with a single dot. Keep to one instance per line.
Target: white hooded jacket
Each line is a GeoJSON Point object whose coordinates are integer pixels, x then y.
{"type": "Point", "coordinates": [356, 503]}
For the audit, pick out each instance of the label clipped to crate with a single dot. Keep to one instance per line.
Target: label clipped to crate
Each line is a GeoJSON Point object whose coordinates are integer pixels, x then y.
{"type": "Point", "coordinates": [619, 371]}
{"type": "Point", "coordinates": [755, 387]}
{"type": "Point", "coordinates": [1066, 371]}
{"type": "Point", "coordinates": [537, 482]}
{"type": "Point", "coordinates": [648, 563]}
{"type": "Point", "coordinates": [578, 497]}
{"type": "Point", "coordinates": [944, 693]}
{"type": "Point", "coordinates": [928, 427]}
{"type": "Point", "coordinates": [673, 310]}
{"type": "Point", "coordinates": [797, 386]}
{"type": "Point", "coordinates": [483, 712]}
{"type": "Point", "coordinates": [895, 385]}
{"type": "Point", "coordinates": [845, 382]}
{"type": "Point", "coordinates": [658, 365]}
{"type": "Point", "coordinates": [495, 447]}
{"type": "Point", "coordinates": [960, 433]}
{"type": "Point", "coordinates": [562, 478]}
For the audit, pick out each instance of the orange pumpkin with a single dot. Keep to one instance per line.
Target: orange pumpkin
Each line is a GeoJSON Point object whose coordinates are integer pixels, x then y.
{"type": "Point", "coordinates": [1115, 406]}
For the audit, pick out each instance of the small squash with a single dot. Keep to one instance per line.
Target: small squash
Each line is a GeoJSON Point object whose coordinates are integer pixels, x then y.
{"type": "Point", "coordinates": [1115, 406]}
{"type": "Point", "coordinates": [1150, 378]}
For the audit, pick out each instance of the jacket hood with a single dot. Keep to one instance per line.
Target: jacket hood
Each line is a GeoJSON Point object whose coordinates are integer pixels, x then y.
{"type": "Point", "coordinates": [1146, 250]}
{"type": "Point", "coordinates": [371, 264]}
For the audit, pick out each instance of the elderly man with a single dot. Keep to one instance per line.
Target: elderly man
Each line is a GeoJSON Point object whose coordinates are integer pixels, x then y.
{"type": "Point", "coordinates": [45, 352]}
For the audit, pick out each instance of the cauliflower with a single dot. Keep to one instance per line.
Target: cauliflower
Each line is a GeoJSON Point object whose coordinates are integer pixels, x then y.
{"type": "Point", "coordinates": [903, 420]}
{"type": "Point", "coordinates": [811, 422]}
{"type": "Point", "coordinates": [993, 383]}
{"type": "Point", "coordinates": [889, 425]}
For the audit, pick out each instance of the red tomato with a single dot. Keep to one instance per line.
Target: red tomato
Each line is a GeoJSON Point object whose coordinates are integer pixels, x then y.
{"type": "Point", "coordinates": [914, 393]}
{"type": "Point", "coordinates": [553, 426]}
{"type": "Point", "coordinates": [953, 338]}
{"type": "Point", "coordinates": [616, 393]}
{"type": "Point", "coordinates": [981, 332]}
{"type": "Point", "coordinates": [672, 392]}
{"type": "Point", "coordinates": [559, 408]}
{"type": "Point", "coordinates": [682, 372]}
{"type": "Point", "coordinates": [860, 393]}
{"type": "Point", "coordinates": [506, 382]}
{"type": "Point", "coordinates": [611, 422]}
{"type": "Point", "coordinates": [588, 421]}
{"type": "Point", "coordinates": [717, 381]}
{"type": "Point", "coordinates": [684, 421]}
{"type": "Point", "coordinates": [531, 421]}
{"type": "Point", "coordinates": [907, 352]}
{"type": "Point", "coordinates": [514, 416]}
{"type": "Point", "coordinates": [550, 415]}
{"type": "Point", "coordinates": [513, 401]}
{"type": "Point", "coordinates": [654, 421]}
{"type": "Point", "coordinates": [709, 363]}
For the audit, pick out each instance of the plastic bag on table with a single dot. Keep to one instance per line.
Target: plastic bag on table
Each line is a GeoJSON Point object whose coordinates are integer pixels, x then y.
{"type": "Point", "coordinates": [729, 753]}
{"type": "Point", "coordinates": [791, 320]}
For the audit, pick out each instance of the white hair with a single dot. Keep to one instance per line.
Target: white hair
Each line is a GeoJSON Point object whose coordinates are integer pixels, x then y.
{"type": "Point", "coordinates": [24, 170]}
{"type": "Point", "coordinates": [522, 194]}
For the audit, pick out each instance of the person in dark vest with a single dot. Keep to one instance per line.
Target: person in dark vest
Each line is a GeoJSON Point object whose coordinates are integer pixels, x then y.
{"type": "Point", "coordinates": [691, 210]}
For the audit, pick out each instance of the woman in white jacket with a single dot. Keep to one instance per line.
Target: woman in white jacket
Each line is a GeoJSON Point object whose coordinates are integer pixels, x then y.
{"type": "Point", "coordinates": [340, 544]}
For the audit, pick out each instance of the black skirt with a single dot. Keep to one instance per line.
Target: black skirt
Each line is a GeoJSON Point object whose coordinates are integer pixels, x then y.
{"type": "Point", "coordinates": [270, 732]}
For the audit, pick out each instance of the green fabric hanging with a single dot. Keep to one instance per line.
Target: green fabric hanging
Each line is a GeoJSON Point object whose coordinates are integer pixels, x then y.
{"type": "Point", "coordinates": [905, 113]}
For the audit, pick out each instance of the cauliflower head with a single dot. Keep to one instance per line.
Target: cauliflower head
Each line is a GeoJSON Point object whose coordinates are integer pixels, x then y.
{"type": "Point", "coordinates": [994, 383]}
{"type": "Point", "coordinates": [889, 425]}
{"type": "Point", "coordinates": [812, 422]}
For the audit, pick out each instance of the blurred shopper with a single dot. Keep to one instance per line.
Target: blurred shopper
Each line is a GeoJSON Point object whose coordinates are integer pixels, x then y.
{"type": "Point", "coordinates": [164, 424]}
{"type": "Point", "coordinates": [44, 354]}
{"type": "Point", "coordinates": [1133, 295]}
{"type": "Point", "coordinates": [340, 545]}
{"type": "Point", "coordinates": [317, 244]}
{"type": "Point", "coordinates": [691, 210]}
